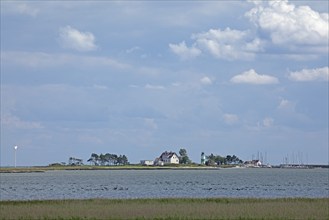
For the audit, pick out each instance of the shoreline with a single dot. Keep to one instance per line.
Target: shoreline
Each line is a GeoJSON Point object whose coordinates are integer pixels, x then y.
{"type": "Point", "coordinates": [41, 169]}
{"type": "Point", "coordinates": [69, 168]}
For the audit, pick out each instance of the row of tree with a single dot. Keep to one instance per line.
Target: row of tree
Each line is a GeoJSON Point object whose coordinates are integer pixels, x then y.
{"type": "Point", "coordinates": [217, 159]}
{"type": "Point", "coordinates": [107, 159]}
{"type": "Point", "coordinates": [211, 159]}
{"type": "Point", "coordinates": [113, 159]}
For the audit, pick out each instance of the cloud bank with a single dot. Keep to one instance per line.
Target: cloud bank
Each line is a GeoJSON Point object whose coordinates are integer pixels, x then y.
{"type": "Point", "coordinates": [318, 74]}
{"type": "Point", "coordinates": [274, 24]}
{"type": "Point", "coordinates": [287, 23]}
{"type": "Point", "coordinates": [183, 51]}
{"type": "Point", "coordinates": [228, 44]}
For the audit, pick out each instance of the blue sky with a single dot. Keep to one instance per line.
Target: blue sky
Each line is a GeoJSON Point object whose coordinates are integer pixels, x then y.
{"type": "Point", "coordinates": [141, 77]}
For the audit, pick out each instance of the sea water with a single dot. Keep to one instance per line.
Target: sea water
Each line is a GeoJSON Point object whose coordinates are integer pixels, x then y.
{"type": "Point", "coordinates": [251, 183]}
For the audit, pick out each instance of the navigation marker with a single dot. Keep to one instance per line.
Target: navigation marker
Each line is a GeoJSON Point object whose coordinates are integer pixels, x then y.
{"type": "Point", "coordinates": [15, 148]}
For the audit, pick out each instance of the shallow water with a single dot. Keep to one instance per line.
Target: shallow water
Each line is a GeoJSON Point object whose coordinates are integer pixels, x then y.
{"type": "Point", "coordinates": [262, 183]}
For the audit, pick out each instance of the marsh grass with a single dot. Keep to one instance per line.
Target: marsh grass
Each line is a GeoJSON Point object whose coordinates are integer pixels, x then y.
{"type": "Point", "coordinates": [217, 208]}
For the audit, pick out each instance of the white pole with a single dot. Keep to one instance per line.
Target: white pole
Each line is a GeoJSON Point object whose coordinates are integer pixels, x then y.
{"type": "Point", "coordinates": [15, 148]}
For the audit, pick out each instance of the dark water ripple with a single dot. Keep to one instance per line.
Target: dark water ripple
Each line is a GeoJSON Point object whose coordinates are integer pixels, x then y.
{"type": "Point", "coordinates": [261, 183]}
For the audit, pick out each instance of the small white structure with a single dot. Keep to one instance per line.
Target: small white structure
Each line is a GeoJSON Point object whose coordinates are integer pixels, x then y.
{"type": "Point", "coordinates": [15, 149]}
{"type": "Point", "coordinates": [169, 158]}
{"type": "Point", "coordinates": [253, 163]}
{"type": "Point", "coordinates": [147, 162]}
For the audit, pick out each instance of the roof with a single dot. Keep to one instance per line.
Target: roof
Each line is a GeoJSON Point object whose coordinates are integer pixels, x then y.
{"type": "Point", "coordinates": [168, 154]}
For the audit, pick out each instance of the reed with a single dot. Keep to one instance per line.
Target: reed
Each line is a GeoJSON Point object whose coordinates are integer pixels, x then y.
{"type": "Point", "coordinates": [208, 208]}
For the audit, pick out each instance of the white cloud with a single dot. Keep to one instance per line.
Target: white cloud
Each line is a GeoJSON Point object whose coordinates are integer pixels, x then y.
{"type": "Point", "coordinates": [260, 126]}
{"type": "Point", "coordinates": [20, 8]}
{"type": "Point", "coordinates": [225, 44]}
{"type": "Point", "coordinates": [40, 59]}
{"type": "Point", "coordinates": [74, 39]}
{"type": "Point", "coordinates": [133, 49]}
{"type": "Point", "coordinates": [206, 81]}
{"type": "Point", "coordinates": [288, 24]}
{"type": "Point", "coordinates": [228, 44]}
{"type": "Point", "coordinates": [149, 86]}
{"type": "Point", "coordinates": [252, 77]}
{"type": "Point", "coordinates": [286, 105]}
{"type": "Point", "coordinates": [13, 121]}
{"type": "Point", "coordinates": [183, 51]}
{"type": "Point", "coordinates": [230, 119]}
{"type": "Point", "coordinates": [282, 25]}
{"type": "Point", "coordinates": [318, 74]}
{"type": "Point", "coordinates": [23, 8]}
{"type": "Point", "coordinates": [268, 122]}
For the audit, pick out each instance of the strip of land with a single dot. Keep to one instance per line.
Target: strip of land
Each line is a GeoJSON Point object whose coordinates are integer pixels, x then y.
{"type": "Point", "coordinates": [209, 208]}
{"type": "Point", "coordinates": [126, 167]}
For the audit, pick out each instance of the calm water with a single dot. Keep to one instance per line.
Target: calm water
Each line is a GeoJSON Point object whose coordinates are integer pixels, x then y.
{"type": "Point", "coordinates": [266, 183]}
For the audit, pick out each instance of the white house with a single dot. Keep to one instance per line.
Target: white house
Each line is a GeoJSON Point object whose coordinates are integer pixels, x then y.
{"type": "Point", "coordinates": [147, 162]}
{"type": "Point", "coordinates": [169, 158]}
{"type": "Point", "coordinates": [253, 163]}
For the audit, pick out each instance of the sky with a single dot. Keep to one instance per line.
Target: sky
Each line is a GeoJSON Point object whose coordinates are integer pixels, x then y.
{"type": "Point", "coordinates": [138, 78]}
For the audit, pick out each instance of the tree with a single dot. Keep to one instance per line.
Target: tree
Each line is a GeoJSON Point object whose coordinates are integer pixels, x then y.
{"type": "Point", "coordinates": [102, 159]}
{"type": "Point", "coordinates": [125, 160]}
{"type": "Point", "coordinates": [219, 160]}
{"type": "Point", "coordinates": [75, 161]}
{"type": "Point", "coordinates": [107, 159]}
{"type": "Point", "coordinates": [228, 159]}
{"type": "Point", "coordinates": [114, 159]}
{"type": "Point", "coordinates": [182, 152]}
{"type": "Point", "coordinates": [210, 160]}
{"type": "Point", "coordinates": [94, 158]}
{"type": "Point", "coordinates": [232, 159]}
{"type": "Point", "coordinates": [184, 159]}
{"type": "Point", "coordinates": [119, 160]}
{"type": "Point", "coordinates": [122, 160]}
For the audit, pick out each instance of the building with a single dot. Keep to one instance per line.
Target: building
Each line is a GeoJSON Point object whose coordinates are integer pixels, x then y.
{"type": "Point", "coordinates": [253, 163]}
{"type": "Point", "coordinates": [158, 162]}
{"type": "Point", "coordinates": [203, 158]}
{"type": "Point", "coordinates": [169, 158]}
{"type": "Point", "coordinates": [147, 162]}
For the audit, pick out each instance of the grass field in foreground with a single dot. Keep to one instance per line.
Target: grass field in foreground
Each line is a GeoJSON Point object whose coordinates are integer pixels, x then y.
{"type": "Point", "coordinates": [217, 208]}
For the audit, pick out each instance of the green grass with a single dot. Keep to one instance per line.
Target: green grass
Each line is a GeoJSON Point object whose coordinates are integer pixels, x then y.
{"type": "Point", "coordinates": [217, 208]}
